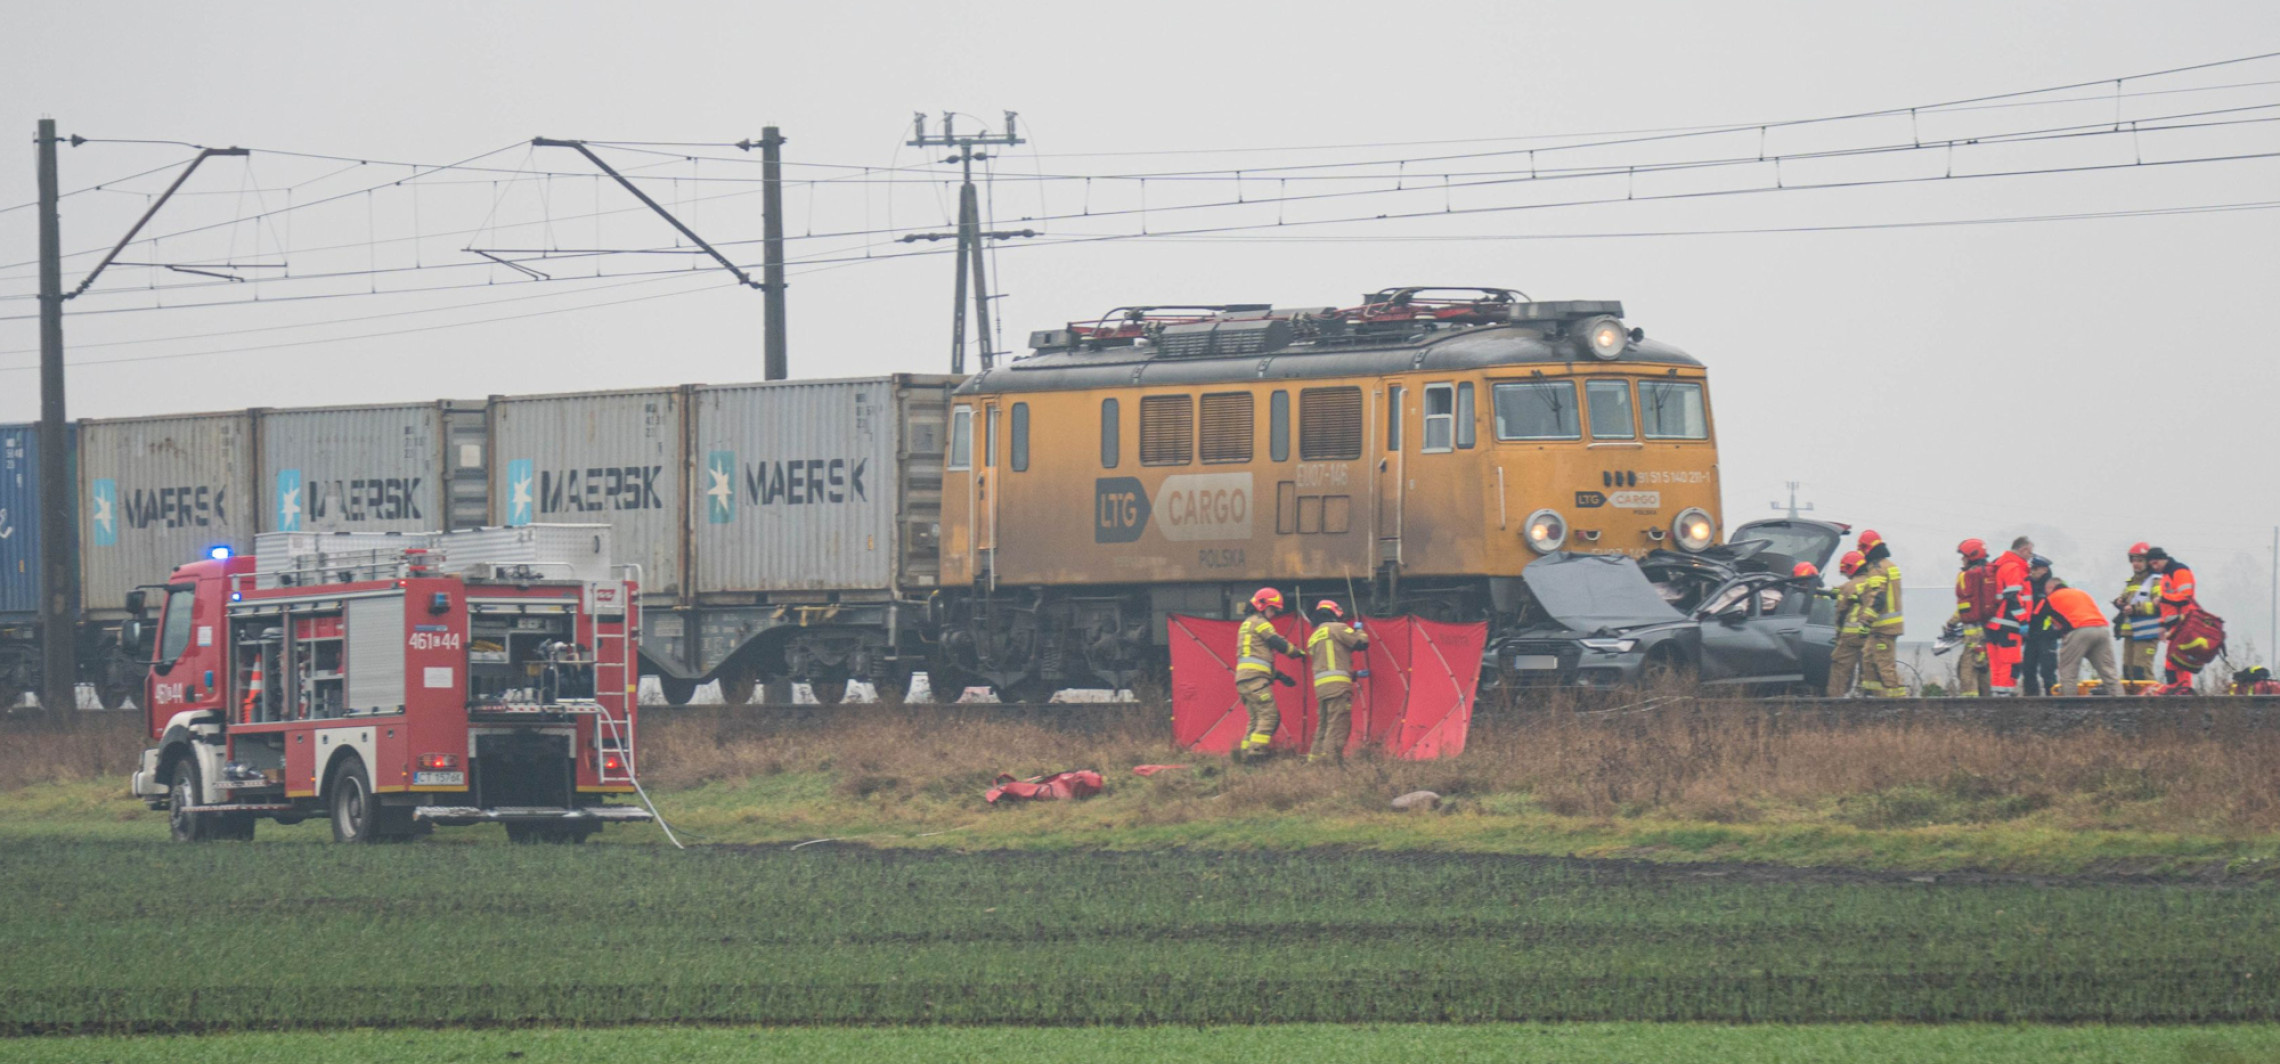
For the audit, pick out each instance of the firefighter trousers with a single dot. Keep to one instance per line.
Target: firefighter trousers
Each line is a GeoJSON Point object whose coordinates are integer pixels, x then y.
{"type": "Point", "coordinates": [1259, 699]}
{"type": "Point", "coordinates": [1880, 668]}
{"type": "Point", "coordinates": [1335, 704]}
{"type": "Point", "coordinates": [1844, 661]}
{"type": "Point", "coordinates": [2137, 658]}
{"type": "Point", "coordinates": [1971, 664]}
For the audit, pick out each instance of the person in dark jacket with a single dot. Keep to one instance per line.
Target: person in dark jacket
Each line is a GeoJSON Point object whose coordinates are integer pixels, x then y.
{"type": "Point", "coordinates": [2039, 664]}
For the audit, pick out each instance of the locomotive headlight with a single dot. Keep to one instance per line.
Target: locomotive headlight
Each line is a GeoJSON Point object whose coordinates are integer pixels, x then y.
{"type": "Point", "coordinates": [1546, 531]}
{"type": "Point", "coordinates": [1694, 530]}
{"type": "Point", "coordinates": [1602, 337]}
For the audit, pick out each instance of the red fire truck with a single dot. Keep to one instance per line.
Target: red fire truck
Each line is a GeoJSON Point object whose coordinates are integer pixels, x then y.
{"type": "Point", "coordinates": [391, 683]}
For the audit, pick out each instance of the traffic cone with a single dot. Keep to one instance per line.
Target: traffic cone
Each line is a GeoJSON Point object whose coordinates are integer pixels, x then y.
{"type": "Point", "coordinates": [252, 692]}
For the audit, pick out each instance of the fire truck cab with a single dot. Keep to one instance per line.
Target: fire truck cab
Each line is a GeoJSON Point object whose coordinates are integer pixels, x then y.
{"type": "Point", "coordinates": [391, 683]}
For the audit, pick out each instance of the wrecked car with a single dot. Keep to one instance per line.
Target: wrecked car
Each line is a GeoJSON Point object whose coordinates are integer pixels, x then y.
{"type": "Point", "coordinates": [1728, 616]}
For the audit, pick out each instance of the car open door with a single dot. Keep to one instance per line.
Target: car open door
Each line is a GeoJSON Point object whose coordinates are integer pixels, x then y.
{"type": "Point", "coordinates": [1752, 632]}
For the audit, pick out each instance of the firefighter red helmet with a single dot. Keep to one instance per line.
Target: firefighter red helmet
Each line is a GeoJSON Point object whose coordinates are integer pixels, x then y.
{"type": "Point", "coordinates": [1973, 550]}
{"type": "Point", "coordinates": [1804, 570]}
{"type": "Point", "coordinates": [2137, 550]}
{"type": "Point", "coordinates": [1869, 540]}
{"type": "Point", "coordinates": [1267, 598]}
{"type": "Point", "coordinates": [1851, 562]}
{"type": "Point", "coordinates": [1329, 607]}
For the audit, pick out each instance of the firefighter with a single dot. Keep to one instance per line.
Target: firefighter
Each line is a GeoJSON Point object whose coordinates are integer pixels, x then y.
{"type": "Point", "coordinates": [1332, 648]}
{"type": "Point", "coordinates": [2137, 616]}
{"type": "Point", "coordinates": [1256, 644]}
{"type": "Point", "coordinates": [1880, 606]}
{"type": "Point", "coordinates": [1852, 628]}
{"type": "Point", "coordinates": [2083, 624]}
{"type": "Point", "coordinates": [1974, 606]}
{"type": "Point", "coordinates": [2007, 629]}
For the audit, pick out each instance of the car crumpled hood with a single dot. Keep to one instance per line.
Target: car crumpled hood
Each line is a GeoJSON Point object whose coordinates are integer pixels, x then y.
{"type": "Point", "coordinates": [1591, 592]}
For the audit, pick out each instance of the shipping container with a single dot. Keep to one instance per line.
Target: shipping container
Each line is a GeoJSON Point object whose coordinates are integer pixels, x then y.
{"type": "Point", "coordinates": [414, 467]}
{"type": "Point", "coordinates": [157, 492]}
{"type": "Point", "coordinates": [19, 520]}
{"type": "Point", "coordinates": [816, 486]}
{"type": "Point", "coordinates": [611, 457]}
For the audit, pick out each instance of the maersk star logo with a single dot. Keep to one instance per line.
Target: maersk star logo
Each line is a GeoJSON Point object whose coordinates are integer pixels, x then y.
{"type": "Point", "coordinates": [720, 487]}
{"type": "Point", "coordinates": [519, 499]}
{"type": "Point", "coordinates": [106, 513]}
{"type": "Point", "coordinates": [288, 500]}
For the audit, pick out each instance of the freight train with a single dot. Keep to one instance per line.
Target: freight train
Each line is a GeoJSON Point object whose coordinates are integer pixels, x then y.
{"type": "Point", "coordinates": [1028, 528]}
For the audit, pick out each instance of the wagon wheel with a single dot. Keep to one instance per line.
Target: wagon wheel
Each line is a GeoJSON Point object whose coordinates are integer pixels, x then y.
{"type": "Point", "coordinates": [828, 692]}
{"type": "Point", "coordinates": [677, 690]}
{"type": "Point", "coordinates": [737, 682]}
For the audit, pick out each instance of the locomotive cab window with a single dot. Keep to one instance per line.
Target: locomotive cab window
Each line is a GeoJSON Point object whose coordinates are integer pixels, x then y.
{"type": "Point", "coordinates": [1109, 431]}
{"type": "Point", "coordinates": [1673, 410]}
{"type": "Point", "coordinates": [1227, 427]}
{"type": "Point", "coordinates": [1440, 418]}
{"type": "Point", "coordinates": [1610, 410]}
{"type": "Point", "coordinates": [1536, 410]}
{"type": "Point", "coordinates": [1021, 437]}
{"type": "Point", "coordinates": [1167, 430]}
{"type": "Point", "coordinates": [961, 438]}
{"type": "Point", "coordinates": [1329, 424]}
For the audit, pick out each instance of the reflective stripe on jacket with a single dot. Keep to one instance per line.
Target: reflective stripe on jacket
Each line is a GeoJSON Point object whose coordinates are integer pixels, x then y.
{"type": "Point", "coordinates": [1881, 600]}
{"type": "Point", "coordinates": [1332, 648]}
{"type": "Point", "coordinates": [2141, 608]}
{"type": "Point", "coordinates": [1255, 645]}
{"type": "Point", "coordinates": [2176, 590]}
{"type": "Point", "coordinates": [1849, 619]}
{"type": "Point", "coordinates": [2012, 589]}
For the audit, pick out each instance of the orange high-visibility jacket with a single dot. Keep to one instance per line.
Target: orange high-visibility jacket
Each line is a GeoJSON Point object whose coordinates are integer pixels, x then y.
{"type": "Point", "coordinates": [2176, 590]}
{"type": "Point", "coordinates": [2077, 608]}
{"type": "Point", "coordinates": [2016, 594]}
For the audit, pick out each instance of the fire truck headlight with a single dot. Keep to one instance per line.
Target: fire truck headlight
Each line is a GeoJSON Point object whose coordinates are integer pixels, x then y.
{"type": "Point", "coordinates": [1694, 530]}
{"type": "Point", "coordinates": [1602, 337]}
{"type": "Point", "coordinates": [1546, 531]}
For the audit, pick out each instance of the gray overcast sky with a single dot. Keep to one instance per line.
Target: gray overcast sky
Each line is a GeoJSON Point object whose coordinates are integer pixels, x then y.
{"type": "Point", "coordinates": [2093, 382]}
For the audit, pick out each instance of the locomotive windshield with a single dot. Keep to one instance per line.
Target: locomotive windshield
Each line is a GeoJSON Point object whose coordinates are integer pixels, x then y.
{"type": "Point", "coordinates": [1673, 410]}
{"type": "Point", "coordinates": [1537, 411]}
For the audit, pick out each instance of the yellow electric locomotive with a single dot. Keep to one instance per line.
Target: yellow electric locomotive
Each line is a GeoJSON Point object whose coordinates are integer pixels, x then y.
{"type": "Point", "coordinates": [1414, 453]}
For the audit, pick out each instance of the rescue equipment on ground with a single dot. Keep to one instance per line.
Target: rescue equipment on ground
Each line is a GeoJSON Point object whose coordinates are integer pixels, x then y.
{"type": "Point", "coordinates": [1056, 787]}
{"type": "Point", "coordinates": [2255, 681]}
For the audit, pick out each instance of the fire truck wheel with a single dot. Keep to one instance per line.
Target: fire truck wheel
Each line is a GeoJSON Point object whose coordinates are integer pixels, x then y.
{"type": "Point", "coordinates": [736, 684]}
{"type": "Point", "coordinates": [357, 815]}
{"type": "Point", "coordinates": [187, 826]}
{"type": "Point", "coordinates": [677, 691]}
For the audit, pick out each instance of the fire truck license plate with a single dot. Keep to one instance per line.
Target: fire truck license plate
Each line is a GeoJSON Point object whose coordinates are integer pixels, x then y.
{"type": "Point", "coordinates": [439, 779]}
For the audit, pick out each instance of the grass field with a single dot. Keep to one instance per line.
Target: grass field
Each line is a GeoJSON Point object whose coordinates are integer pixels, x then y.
{"type": "Point", "coordinates": [151, 937]}
{"type": "Point", "coordinates": [1330, 1044]}
{"type": "Point", "coordinates": [1726, 782]}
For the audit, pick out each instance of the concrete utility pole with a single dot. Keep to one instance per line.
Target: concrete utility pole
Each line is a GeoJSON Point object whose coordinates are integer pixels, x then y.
{"type": "Point", "coordinates": [59, 526]}
{"type": "Point", "coordinates": [1793, 508]}
{"type": "Point", "coordinates": [59, 522]}
{"type": "Point", "coordinates": [969, 234]}
{"type": "Point", "coordinates": [772, 249]}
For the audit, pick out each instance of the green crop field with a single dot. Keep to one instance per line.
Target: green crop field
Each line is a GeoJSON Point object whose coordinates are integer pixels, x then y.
{"type": "Point", "coordinates": [147, 937]}
{"type": "Point", "coordinates": [1576, 1043]}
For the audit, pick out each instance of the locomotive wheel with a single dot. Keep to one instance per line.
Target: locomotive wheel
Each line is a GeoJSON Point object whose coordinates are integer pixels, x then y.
{"type": "Point", "coordinates": [736, 684]}
{"type": "Point", "coordinates": [677, 690]}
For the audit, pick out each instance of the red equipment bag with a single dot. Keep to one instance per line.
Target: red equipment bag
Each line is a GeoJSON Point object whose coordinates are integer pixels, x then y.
{"type": "Point", "coordinates": [2197, 639]}
{"type": "Point", "coordinates": [1975, 590]}
{"type": "Point", "coordinates": [1060, 786]}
